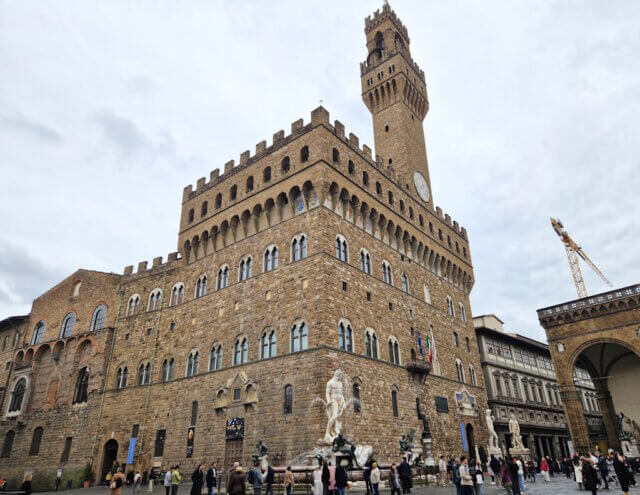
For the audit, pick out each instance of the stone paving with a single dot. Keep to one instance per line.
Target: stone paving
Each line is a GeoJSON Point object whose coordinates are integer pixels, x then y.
{"type": "Point", "coordinates": [558, 485]}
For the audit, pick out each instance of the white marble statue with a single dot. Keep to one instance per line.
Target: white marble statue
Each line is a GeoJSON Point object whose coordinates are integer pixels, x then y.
{"type": "Point", "coordinates": [335, 405]}
{"type": "Point", "coordinates": [493, 436]}
{"type": "Point", "coordinates": [514, 429]}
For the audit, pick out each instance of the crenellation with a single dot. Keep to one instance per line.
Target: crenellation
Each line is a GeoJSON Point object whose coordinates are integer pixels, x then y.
{"type": "Point", "coordinates": [213, 177]}
{"type": "Point", "coordinates": [463, 233]}
{"type": "Point", "coordinates": [367, 152]}
{"type": "Point", "coordinates": [278, 137]}
{"type": "Point", "coordinates": [338, 129]}
{"type": "Point", "coordinates": [261, 147]}
{"type": "Point", "coordinates": [439, 213]}
{"type": "Point", "coordinates": [296, 127]}
{"type": "Point", "coordinates": [200, 184]}
{"type": "Point", "coordinates": [447, 219]}
{"type": "Point", "coordinates": [128, 270]}
{"type": "Point", "coordinates": [244, 157]}
{"type": "Point", "coordinates": [157, 261]}
{"type": "Point", "coordinates": [320, 116]}
{"type": "Point", "coordinates": [142, 267]}
{"type": "Point", "coordinates": [228, 167]}
{"type": "Point", "coordinates": [186, 192]}
{"type": "Point", "coordinates": [354, 141]}
{"type": "Point", "coordinates": [172, 256]}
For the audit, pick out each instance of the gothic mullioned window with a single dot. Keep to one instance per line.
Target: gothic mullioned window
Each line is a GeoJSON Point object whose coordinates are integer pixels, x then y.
{"type": "Point", "coordinates": [268, 344]}
{"type": "Point", "coordinates": [201, 286]}
{"type": "Point", "coordinates": [249, 187]}
{"type": "Point", "coordinates": [299, 337]}
{"type": "Point", "coordinates": [463, 313]}
{"type": "Point", "coordinates": [386, 273]}
{"type": "Point", "coordinates": [204, 208]}
{"type": "Point", "coordinates": [17, 395]}
{"type": "Point", "coordinates": [472, 375]}
{"type": "Point", "coordinates": [218, 200]}
{"type": "Point", "coordinates": [121, 377]}
{"type": "Point", "coordinates": [133, 304]}
{"type": "Point", "coordinates": [365, 261]}
{"type": "Point", "coordinates": [460, 371]}
{"type": "Point", "coordinates": [168, 369]}
{"type": "Point", "coordinates": [223, 277]}
{"type": "Point", "coordinates": [266, 174]}
{"type": "Point", "coordinates": [177, 294]}
{"type": "Point", "coordinates": [405, 283]}
{"type": "Point", "coordinates": [192, 363]}
{"type": "Point", "coordinates": [345, 337]}
{"type": "Point", "coordinates": [394, 351]}
{"type": "Point", "coordinates": [335, 156]}
{"type": "Point", "coordinates": [38, 332]}
{"type": "Point", "coordinates": [66, 330]}
{"type": "Point", "coordinates": [455, 339]}
{"type": "Point", "coordinates": [427, 294]}
{"type": "Point", "coordinates": [215, 358]}
{"type": "Point", "coordinates": [371, 343]}
{"type": "Point", "coordinates": [144, 374]}
{"type": "Point", "coordinates": [245, 269]}
{"type": "Point", "coordinates": [285, 165]}
{"type": "Point", "coordinates": [299, 247]}
{"type": "Point", "coordinates": [233, 193]}
{"type": "Point", "coordinates": [450, 309]}
{"type": "Point", "coordinates": [240, 351]}
{"type": "Point", "coordinates": [155, 299]}
{"type": "Point", "coordinates": [341, 248]}
{"type": "Point", "coordinates": [270, 258]}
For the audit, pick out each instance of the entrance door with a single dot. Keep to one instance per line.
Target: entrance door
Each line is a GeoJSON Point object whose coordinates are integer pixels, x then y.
{"type": "Point", "coordinates": [470, 442]}
{"type": "Point", "coordinates": [232, 452]}
{"type": "Point", "coordinates": [109, 457]}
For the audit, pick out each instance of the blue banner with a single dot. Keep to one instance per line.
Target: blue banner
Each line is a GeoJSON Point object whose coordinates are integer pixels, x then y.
{"type": "Point", "coordinates": [465, 447]}
{"type": "Point", "coordinates": [420, 343]}
{"type": "Point", "coordinates": [132, 450]}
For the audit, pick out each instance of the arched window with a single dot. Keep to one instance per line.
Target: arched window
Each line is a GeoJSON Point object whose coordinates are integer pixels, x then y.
{"type": "Point", "coordinates": [144, 374]}
{"type": "Point", "coordinates": [365, 179]}
{"type": "Point", "coordinates": [351, 167]}
{"type": "Point", "coordinates": [421, 220]}
{"type": "Point", "coordinates": [427, 294]}
{"type": "Point", "coordinates": [394, 351]}
{"type": "Point", "coordinates": [410, 213]}
{"type": "Point", "coordinates": [378, 188]}
{"type": "Point", "coordinates": [341, 248]}
{"type": "Point", "coordinates": [204, 208]}
{"type": "Point", "coordinates": [201, 286]}
{"type": "Point", "coordinates": [390, 198]}
{"type": "Point", "coordinates": [356, 398]}
{"type": "Point", "coordinates": [223, 277]}
{"type": "Point", "coordinates": [386, 273]}
{"type": "Point", "coordinates": [288, 399]}
{"type": "Point", "coordinates": [194, 412]}
{"type": "Point", "coordinates": [192, 363]}
{"type": "Point", "coordinates": [299, 337]}
{"type": "Point", "coordinates": [335, 156]}
{"type": "Point", "coordinates": [472, 375]}
{"type": "Point", "coordinates": [167, 369]}
{"type": "Point", "coordinates": [460, 371]}
{"type": "Point", "coordinates": [191, 215]}
{"type": "Point", "coordinates": [405, 283]}
{"type": "Point", "coordinates": [245, 270]}
{"type": "Point", "coordinates": [271, 258]}
{"type": "Point", "coordinates": [215, 359]}
{"type": "Point", "coordinates": [240, 351]}
{"type": "Point", "coordinates": [299, 247]}
{"type": "Point", "coordinates": [285, 165]}
{"type": "Point", "coordinates": [250, 183]}
{"type": "Point", "coordinates": [132, 305]}
{"type": "Point", "coordinates": [463, 314]}
{"type": "Point", "coordinates": [36, 439]}
{"type": "Point", "coordinates": [177, 294]}
{"type": "Point", "coordinates": [266, 174]}
{"type": "Point", "coordinates": [233, 192]}
{"type": "Point", "coordinates": [394, 403]}
{"type": "Point", "coordinates": [345, 337]}
{"type": "Point", "coordinates": [371, 343]}
{"type": "Point", "coordinates": [8, 443]}
{"type": "Point", "coordinates": [17, 395]}
{"type": "Point", "coordinates": [401, 205]}
{"type": "Point", "coordinates": [218, 200]}
{"type": "Point", "coordinates": [304, 154]}
{"type": "Point", "coordinates": [467, 344]}
{"type": "Point", "coordinates": [66, 330]}
{"type": "Point", "coordinates": [365, 262]}
{"type": "Point", "coordinates": [455, 339]}
{"type": "Point", "coordinates": [82, 386]}
{"type": "Point", "coordinates": [155, 299]}
{"type": "Point", "coordinates": [450, 310]}
{"type": "Point", "coordinates": [98, 317]}
{"type": "Point", "coordinates": [121, 377]}
{"type": "Point", "coordinates": [268, 344]}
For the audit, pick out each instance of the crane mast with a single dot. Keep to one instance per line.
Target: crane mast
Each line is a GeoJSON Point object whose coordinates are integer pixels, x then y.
{"type": "Point", "coordinates": [573, 251]}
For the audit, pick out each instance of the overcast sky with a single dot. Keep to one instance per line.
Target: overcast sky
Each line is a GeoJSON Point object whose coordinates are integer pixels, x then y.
{"type": "Point", "coordinates": [108, 109]}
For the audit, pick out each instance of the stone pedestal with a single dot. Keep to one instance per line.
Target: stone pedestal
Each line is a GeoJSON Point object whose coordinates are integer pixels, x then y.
{"type": "Point", "coordinates": [524, 453]}
{"type": "Point", "coordinates": [495, 451]}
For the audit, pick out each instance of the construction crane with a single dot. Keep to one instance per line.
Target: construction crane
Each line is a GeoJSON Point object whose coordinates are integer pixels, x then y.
{"type": "Point", "coordinates": [573, 251]}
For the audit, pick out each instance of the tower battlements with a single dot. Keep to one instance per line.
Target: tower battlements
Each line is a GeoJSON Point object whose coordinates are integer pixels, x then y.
{"type": "Point", "coordinates": [379, 17]}
{"type": "Point", "coordinates": [157, 265]}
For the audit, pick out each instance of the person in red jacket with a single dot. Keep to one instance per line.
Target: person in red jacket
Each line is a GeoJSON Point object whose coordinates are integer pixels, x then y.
{"type": "Point", "coordinates": [544, 469]}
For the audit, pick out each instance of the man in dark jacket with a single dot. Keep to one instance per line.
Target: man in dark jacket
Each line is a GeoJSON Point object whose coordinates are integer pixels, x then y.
{"type": "Point", "coordinates": [269, 479]}
{"type": "Point", "coordinates": [236, 481]}
{"type": "Point", "coordinates": [589, 476]}
{"type": "Point", "coordinates": [495, 467]}
{"type": "Point", "coordinates": [513, 471]}
{"type": "Point", "coordinates": [341, 479]}
{"type": "Point", "coordinates": [366, 474]}
{"type": "Point", "coordinates": [404, 471]}
{"type": "Point", "coordinates": [212, 475]}
{"type": "Point", "coordinates": [622, 472]}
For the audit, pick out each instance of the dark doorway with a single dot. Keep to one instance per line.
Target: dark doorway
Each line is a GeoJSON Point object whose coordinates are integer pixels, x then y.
{"type": "Point", "coordinates": [232, 452]}
{"type": "Point", "coordinates": [470, 441]}
{"type": "Point", "coordinates": [109, 457]}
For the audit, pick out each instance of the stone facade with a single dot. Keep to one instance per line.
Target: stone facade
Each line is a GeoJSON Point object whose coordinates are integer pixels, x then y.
{"type": "Point", "coordinates": [195, 359]}
{"type": "Point", "coordinates": [520, 379]}
{"type": "Point", "coordinates": [600, 334]}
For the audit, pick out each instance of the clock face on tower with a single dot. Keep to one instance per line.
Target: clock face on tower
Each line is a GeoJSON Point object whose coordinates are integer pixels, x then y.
{"type": "Point", "coordinates": [421, 186]}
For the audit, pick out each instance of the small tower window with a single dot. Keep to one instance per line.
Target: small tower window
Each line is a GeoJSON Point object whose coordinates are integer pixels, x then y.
{"type": "Point", "coordinates": [266, 174]}
{"type": "Point", "coordinates": [378, 188]}
{"type": "Point", "coordinates": [285, 165]}
{"type": "Point", "coordinates": [386, 128]}
{"type": "Point", "coordinates": [390, 198]}
{"type": "Point", "coordinates": [233, 193]}
{"type": "Point", "coordinates": [204, 208]}
{"type": "Point", "coordinates": [365, 179]}
{"type": "Point", "coordinates": [250, 183]}
{"type": "Point", "coordinates": [191, 215]}
{"type": "Point", "coordinates": [350, 167]}
{"type": "Point", "coordinates": [218, 200]}
{"type": "Point", "coordinates": [336, 156]}
{"type": "Point", "coordinates": [304, 154]}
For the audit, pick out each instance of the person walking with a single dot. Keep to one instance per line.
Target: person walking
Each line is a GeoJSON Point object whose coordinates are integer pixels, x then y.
{"type": "Point", "coordinates": [590, 476]}
{"type": "Point", "coordinates": [137, 481]}
{"type": "Point", "coordinates": [505, 477]}
{"type": "Point", "coordinates": [456, 476]}
{"type": "Point", "coordinates": [466, 480]}
{"type": "Point", "coordinates": [26, 484]}
{"type": "Point", "coordinates": [332, 478]}
{"type": "Point", "coordinates": [366, 474]}
{"type": "Point", "coordinates": [515, 483]}
{"type": "Point", "coordinates": [326, 477]}
{"type": "Point", "coordinates": [117, 480]}
{"type": "Point", "coordinates": [394, 480]}
{"type": "Point", "coordinates": [495, 467]}
{"type": "Point", "coordinates": [269, 479]}
{"type": "Point", "coordinates": [236, 481]}
{"type": "Point", "coordinates": [442, 471]}
{"type": "Point", "coordinates": [544, 469]}
{"type": "Point", "coordinates": [317, 480]}
{"type": "Point", "coordinates": [375, 478]}
{"type": "Point", "coordinates": [622, 472]}
{"type": "Point", "coordinates": [197, 481]}
{"type": "Point", "coordinates": [404, 470]}
{"type": "Point", "coordinates": [521, 475]}
{"type": "Point", "coordinates": [176, 479]}
{"type": "Point", "coordinates": [342, 479]}
{"type": "Point", "coordinates": [479, 479]}
{"type": "Point", "coordinates": [212, 476]}
{"type": "Point", "coordinates": [167, 481]}
{"type": "Point", "coordinates": [289, 481]}
{"type": "Point", "coordinates": [256, 479]}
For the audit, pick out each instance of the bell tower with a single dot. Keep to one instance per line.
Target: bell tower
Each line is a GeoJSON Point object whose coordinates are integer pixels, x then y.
{"type": "Point", "coordinates": [395, 92]}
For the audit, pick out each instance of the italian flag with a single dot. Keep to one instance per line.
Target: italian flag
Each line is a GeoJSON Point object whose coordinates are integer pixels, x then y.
{"type": "Point", "coordinates": [429, 350]}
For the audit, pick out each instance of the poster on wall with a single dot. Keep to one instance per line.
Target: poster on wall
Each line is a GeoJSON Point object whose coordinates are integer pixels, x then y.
{"type": "Point", "coordinates": [132, 450]}
{"type": "Point", "coordinates": [465, 447]}
{"type": "Point", "coordinates": [235, 428]}
{"type": "Point", "coordinates": [191, 432]}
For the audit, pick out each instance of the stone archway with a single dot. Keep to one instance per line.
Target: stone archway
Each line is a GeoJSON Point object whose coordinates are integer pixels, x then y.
{"type": "Point", "coordinates": [471, 441]}
{"type": "Point", "coordinates": [110, 455]}
{"type": "Point", "coordinates": [599, 334]}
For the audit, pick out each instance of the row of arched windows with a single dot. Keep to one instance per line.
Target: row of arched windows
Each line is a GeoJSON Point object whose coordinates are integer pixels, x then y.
{"type": "Point", "coordinates": [346, 342]}
{"type": "Point", "coordinates": [68, 324]}
{"type": "Point", "coordinates": [461, 375]}
{"type": "Point", "coordinates": [285, 167]}
{"type": "Point", "coordinates": [34, 448]}
{"type": "Point", "coordinates": [245, 272]}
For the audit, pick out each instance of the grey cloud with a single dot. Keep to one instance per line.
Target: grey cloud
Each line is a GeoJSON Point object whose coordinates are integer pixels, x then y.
{"type": "Point", "coordinates": [123, 134]}
{"type": "Point", "coordinates": [31, 128]}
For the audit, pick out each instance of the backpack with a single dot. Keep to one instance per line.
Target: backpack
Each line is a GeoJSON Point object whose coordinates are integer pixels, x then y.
{"type": "Point", "coordinates": [252, 477]}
